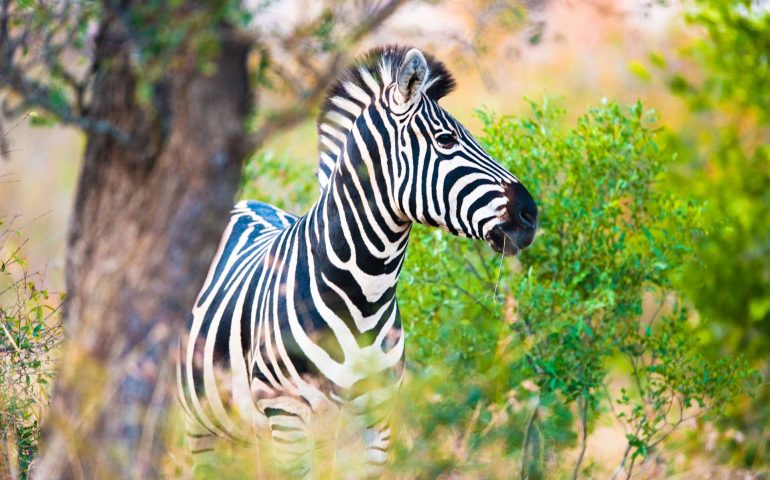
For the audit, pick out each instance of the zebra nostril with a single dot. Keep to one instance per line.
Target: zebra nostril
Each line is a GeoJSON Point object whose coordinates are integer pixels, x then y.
{"type": "Point", "coordinates": [528, 219]}
{"type": "Point", "coordinates": [522, 209]}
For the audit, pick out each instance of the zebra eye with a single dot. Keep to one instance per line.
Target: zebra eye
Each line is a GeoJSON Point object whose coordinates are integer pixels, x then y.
{"type": "Point", "coordinates": [447, 140]}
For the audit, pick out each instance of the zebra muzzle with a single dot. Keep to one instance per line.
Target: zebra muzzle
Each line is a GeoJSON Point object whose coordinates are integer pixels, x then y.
{"type": "Point", "coordinates": [509, 239]}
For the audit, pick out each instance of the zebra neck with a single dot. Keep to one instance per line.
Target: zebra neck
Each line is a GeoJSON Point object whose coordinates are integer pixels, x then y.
{"type": "Point", "coordinates": [359, 240]}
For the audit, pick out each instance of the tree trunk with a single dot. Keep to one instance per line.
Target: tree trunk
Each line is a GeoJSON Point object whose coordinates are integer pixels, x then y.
{"type": "Point", "coordinates": [146, 223]}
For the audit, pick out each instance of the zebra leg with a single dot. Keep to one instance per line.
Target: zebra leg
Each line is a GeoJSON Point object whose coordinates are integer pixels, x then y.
{"type": "Point", "coordinates": [371, 412]}
{"type": "Point", "coordinates": [203, 447]}
{"type": "Point", "coordinates": [358, 453]}
{"type": "Point", "coordinates": [291, 445]}
{"type": "Point", "coordinates": [376, 441]}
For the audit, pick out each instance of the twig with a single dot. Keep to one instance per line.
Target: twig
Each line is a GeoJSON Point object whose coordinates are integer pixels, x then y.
{"type": "Point", "coordinates": [527, 436]}
{"type": "Point", "coordinates": [499, 271]}
{"type": "Point", "coordinates": [582, 405]}
{"type": "Point", "coordinates": [657, 311]}
{"type": "Point", "coordinates": [624, 459]}
{"type": "Point", "coordinates": [464, 442]}
{"type": "Point", "coordinates": [464, 292]}
{"type": "Point", "coordinates": [5, 133]}
{"type": "Point", "coordinates": [631, 468]}
{"type": "Point", "coordinates": [10, 339]}
{"type": "Point", "coordinates": [152, 416]}
{"type": "Point", "coordinates": [477, 247]}
{"type": "Point", "coordinates": [612, 408]}
{"type": "Point", "coordinates": [5, 148]}
{"type": "Point", "coordinates": [34, 347]}
{"type": "Point", "coordinates": [474, 271]}
{"type": "Point", "coordinates": [309, 98]}
{"type": "Point", "coordinates": [476, 300]}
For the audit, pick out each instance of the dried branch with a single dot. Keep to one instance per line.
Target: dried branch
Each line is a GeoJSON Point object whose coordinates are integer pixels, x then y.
{"type": "Point", "coordinates": [15, 78]}
{"type": "Point", "coordinates": [308, 98]}
{"type": "Point", "coordinates": [527, 440]}
{"type": "Point", "coordinates": [624, 459]}
{"type": "Point", "coordinates": [37, 95]}
{"type": "Point", "coordinates": [613, 409]}
{"type": "Point", "coordinates": [582, 405]}
{"type": "Point", "coordinates": [299, 111]}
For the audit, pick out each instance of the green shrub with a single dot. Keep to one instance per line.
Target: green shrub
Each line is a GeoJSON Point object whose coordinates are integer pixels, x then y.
{"type": "Point", "coordinates": [724, 162]}
{"type": "Point", "coordinates": [511, 362]}
{"type": "Point", "coordinates": [592, 304]}
{"type": "Point", "coordinates": [29, 334]}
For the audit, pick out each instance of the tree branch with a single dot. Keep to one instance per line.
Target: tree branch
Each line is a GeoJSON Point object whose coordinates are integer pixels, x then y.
{"type": "Point", "coordinates": [524, 474]}
{"type": "Point", "coordinates": [309, 98]}
{"type": "Point", "coordinates": [34, 94]}
{"type": "Point", "coordinates": [582, 405]}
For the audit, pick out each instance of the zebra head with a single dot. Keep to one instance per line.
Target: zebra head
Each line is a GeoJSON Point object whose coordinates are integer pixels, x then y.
{"type": "Point", "coordinates": [443, 177]}
{"type": "Point", "coordinates": [433, 171]}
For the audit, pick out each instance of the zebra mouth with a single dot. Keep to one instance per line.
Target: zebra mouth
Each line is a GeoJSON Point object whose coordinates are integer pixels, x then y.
{"type": "Point", "coordinates": [504, 239]}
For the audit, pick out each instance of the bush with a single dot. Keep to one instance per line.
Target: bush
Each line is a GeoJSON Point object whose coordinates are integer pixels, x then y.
{"type": "Point", "coordinates": [724, 157]}
{"type": "Point", "coordinates": [511, 363]}
{"type": "Point", "coordinates": [30, 333]}
{"type": "Point", "coordinates": [515, 360]}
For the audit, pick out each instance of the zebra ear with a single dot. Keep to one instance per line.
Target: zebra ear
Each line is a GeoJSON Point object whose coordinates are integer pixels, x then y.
{"type": "Point", "coordinates": [411, 75]}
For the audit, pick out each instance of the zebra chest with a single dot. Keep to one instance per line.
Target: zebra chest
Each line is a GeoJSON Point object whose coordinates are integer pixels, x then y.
{"type": "Point", "coordinates": [328, 350]}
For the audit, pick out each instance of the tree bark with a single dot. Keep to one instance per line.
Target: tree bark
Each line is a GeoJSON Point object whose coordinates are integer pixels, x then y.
{"type": "Point", "coordinates": [147, 219]}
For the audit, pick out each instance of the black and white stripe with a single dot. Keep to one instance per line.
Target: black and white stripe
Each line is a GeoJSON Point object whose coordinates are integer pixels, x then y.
{"type": "Point", "coordinates": [298, 322]}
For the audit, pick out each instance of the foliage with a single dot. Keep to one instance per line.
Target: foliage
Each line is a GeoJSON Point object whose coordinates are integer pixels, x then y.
{"type": "Point", "coordinates": [549, 331]}
{"type": "Point", "coordinates": [508, 361]}
{"type": "Point", "coordinates": [264, 170]}
{"type": "Point", "coordinates": [733, 54]}
{"type": "Point", "coordinates": [30, 334]}
{"type": "Point", "coordinates": [728, 170]}
{"type": "Point", "coordinates": [732, 171]}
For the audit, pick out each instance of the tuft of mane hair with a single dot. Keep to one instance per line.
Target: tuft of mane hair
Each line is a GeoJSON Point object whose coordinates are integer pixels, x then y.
{"type": "Point", "coordinates": [353, 92]}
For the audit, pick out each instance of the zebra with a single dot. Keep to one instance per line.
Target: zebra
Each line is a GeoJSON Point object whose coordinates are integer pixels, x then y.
{"type": "Point", "coordinates": [297, 321]}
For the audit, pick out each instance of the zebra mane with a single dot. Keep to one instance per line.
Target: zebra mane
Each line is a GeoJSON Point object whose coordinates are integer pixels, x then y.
{"type": "Point", "coordinates": [353, 92]}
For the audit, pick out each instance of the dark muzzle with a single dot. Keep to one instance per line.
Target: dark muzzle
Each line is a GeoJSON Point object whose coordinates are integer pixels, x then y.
{"type": "Point", "coordinates": [517, 229]}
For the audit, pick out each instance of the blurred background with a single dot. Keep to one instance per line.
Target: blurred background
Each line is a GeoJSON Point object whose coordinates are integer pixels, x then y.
{"type": "Point", "coordinates": [579, 51]}
{"type": "Point", "coordinates": [700, 68]}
